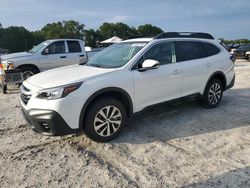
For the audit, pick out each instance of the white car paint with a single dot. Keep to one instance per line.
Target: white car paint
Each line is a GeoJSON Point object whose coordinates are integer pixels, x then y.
{"type": "Point", "coordinates": [146, 88]}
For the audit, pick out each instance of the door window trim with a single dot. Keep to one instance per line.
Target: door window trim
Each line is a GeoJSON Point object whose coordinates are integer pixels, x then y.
{"type": "Point", "coordinates": [133, 66]}
{"type": "Point", "coordinates": [65, 49]}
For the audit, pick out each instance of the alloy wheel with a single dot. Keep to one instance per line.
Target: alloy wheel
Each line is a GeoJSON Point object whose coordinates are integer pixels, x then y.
{"type": "Point", "coordinates": [27, 74]}
{"type": "Point", "coordinates": [214, 93]}
{"type": "Point", "coordinates": [107, 121]}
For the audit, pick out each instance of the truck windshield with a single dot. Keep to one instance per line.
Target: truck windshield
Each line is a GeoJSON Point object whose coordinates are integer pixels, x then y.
{"type": "Point", "coordinates": [116, 55]}
{"type": "Point", "coordinates": [37, 48]}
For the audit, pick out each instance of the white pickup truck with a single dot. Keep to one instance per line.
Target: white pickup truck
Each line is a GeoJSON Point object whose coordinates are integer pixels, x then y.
{"type": "Point", "coordinates": [47, 55]}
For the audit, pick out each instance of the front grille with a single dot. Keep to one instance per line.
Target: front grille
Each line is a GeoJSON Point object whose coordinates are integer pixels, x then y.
{"type": "Point", "coordinates": [25, 94]}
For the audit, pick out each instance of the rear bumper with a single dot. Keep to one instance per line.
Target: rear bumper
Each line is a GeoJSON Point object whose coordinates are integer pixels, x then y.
{"type": "Point", "coordinates": [47, 122]}
{"type": "Point", "coordinates": [231, 84]}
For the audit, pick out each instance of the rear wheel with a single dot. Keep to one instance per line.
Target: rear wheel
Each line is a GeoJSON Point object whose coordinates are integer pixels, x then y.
{"type": "Point", "coordinates": [213, 93]}
{"type": "Point", "coordinates": [104, 119]}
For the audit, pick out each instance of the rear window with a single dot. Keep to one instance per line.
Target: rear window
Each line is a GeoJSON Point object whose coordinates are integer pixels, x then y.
{"type": "Point", "coordinates": [210, 48]}
{"type": "Point", "coordinates": [74, 46]}
{"type": "Point", "coordinates": [188, 50]}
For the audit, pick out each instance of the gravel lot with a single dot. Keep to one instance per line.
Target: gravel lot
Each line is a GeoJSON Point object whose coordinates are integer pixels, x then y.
{"type": "Point", "coordinates": [182, 145]}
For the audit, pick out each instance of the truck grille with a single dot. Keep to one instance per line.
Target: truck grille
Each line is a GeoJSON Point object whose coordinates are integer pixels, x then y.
{"type": "Point", "coordinates": [25, 94]}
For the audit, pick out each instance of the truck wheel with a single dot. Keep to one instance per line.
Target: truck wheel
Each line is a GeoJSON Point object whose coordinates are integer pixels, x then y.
{"type": "Point", "coordinates": [212, 94]}
{"type": "Point", "coordinates": [104, 119]}
{"type": "Point", "coordinates": [28, 71]}
{"type": "Point", "coordinates": [4, 89]}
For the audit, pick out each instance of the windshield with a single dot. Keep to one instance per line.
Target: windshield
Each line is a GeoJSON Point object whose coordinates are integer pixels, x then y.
{"type": "Point", "coordinates": [37, 48]}
{"type": "Point", "coordinates": [116, 55]}
{"type": "Point", "coordinates": [244, 47]}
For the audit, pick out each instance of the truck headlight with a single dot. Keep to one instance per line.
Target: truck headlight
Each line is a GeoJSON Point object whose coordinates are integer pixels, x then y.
{"type": "Point", "coordinates": [58, 92]}
{"type": "Point", "coordinates": [10, 65]}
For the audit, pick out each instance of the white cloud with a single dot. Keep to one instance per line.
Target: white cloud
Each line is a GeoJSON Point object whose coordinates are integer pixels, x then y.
{"type": "Point", "coordinates": [116, 19]}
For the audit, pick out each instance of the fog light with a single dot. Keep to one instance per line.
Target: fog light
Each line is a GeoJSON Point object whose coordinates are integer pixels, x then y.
{"type": "Point", "coordinates": [45, 126]}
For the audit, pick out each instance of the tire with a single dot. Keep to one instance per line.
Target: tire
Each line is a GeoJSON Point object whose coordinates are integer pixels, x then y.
{"type": "Point", "coordinates": [100, 128]}
{"type": "Point", "coordinates": [28, 71]}
{"type": "Point", "coordinates": [4, 89]}
{"type": "Point", "coordinates": [213, 93]}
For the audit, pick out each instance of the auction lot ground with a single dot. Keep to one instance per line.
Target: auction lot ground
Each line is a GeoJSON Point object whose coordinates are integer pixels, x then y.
{"type": "Point", "coordinates": [181, 145]}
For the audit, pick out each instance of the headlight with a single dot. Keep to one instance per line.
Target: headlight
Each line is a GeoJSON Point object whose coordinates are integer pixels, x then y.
{"type": "Point", "coordinates": [58, 92]}
{"type": "Point", "coordinates": [10, 65]}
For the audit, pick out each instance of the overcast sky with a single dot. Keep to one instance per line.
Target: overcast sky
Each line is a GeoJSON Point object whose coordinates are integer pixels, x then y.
{"type": "Point", "coordinates": [222, 18]}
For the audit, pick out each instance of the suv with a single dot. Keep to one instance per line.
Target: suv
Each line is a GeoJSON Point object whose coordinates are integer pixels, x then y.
{"type": "Point", "coordinates": [97, 97]}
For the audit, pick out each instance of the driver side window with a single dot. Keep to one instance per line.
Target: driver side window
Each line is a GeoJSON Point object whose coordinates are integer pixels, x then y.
{"type": "Point", "coordinates": [162, 52]}
{"type": "Point", "coordinates": [56, 48]}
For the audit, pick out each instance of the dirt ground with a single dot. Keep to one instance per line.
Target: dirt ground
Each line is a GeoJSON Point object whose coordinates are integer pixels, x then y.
{"type": "Point", "coordinates": [182, 145]}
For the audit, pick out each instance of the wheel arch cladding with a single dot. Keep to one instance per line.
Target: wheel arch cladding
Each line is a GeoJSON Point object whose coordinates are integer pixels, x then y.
{"type": "Point", "coordinates": [115, 92]}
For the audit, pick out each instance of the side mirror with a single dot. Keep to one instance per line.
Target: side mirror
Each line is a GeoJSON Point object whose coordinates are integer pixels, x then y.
{"type": "Point", "coordinates": [149, 64]}
{"type": "Point", "coordinates": [45, 51]}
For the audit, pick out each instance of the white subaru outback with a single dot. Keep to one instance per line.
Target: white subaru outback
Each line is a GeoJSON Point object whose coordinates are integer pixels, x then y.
{"type": "Point", "coordinates": [97, 97]}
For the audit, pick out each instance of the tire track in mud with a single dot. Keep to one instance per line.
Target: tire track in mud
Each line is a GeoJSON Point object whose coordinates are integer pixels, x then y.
{"type": "Point", "coordinates": [114, 171]}
{"type": "Point", "coordinates": [39, 147]}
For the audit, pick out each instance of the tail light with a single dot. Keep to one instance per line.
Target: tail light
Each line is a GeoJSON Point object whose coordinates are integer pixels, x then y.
{"type": "Point", "coordinates": [1, 69]}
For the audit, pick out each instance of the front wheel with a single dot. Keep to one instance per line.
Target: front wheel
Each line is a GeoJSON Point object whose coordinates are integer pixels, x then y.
{"type": "Point", "coordinates": [213, 94]}
{"type": "Point", "coordinates": [28, 71]}
{"type": "Point", "coordinates": [104, 119]}
{"type": "Point", "coordinates": [4, 89]}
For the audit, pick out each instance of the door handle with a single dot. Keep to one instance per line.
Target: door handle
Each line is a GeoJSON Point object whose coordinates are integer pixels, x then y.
{"type": "Point", "coordinates": [176, 71]}
{"type": "Point", "coordinates": [81, 55]}
{"type": "Point", "coordinates": [208, 65]}
{"type": "Point", "coordinates": [62, 57]}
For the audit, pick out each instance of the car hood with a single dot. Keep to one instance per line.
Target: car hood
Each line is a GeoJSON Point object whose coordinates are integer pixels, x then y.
{"type": "Point", "coordinates": [65, 75]}
{"type": "Point", "coordinates": [241, 50]}
{"type": "Point", "coordinates": [15, 55]}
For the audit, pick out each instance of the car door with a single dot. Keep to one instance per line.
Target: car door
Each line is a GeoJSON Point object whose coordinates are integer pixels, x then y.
{"type": "Point", "coordinates": [76, 52]}
{"type": "Point", "coordinates": [54, 56]}
{"type": "Point", "coordinates": [191, 56]}
{"type": "Point", "coordinates": [157, 85]}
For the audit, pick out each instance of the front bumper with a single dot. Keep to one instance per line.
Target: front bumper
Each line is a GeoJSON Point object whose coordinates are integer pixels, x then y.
{"type": "Point", "coordinates": [47, 122]}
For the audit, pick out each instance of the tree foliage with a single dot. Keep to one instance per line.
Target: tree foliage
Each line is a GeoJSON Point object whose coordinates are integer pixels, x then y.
{"type": "Point", "coordinates": [149, 30]}
{"type": "Point", "coordinates": [238, 41]}
{"type": "Point", "coordinates": [20, 39]}
{"type": "Point", "coordinates": [108, 30]}
{"type": "Point", "coordinates": [64, 29]}
{"type": "Point", "coordinates": [16, 39]}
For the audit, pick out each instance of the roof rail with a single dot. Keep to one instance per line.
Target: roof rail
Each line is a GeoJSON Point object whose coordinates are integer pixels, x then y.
{"type": "Point", "coordinates": [184, 35]}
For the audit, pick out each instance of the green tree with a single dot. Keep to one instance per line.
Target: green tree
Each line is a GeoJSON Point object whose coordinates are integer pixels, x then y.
{"type": "Point", "coordinates": [92, 38]}
{"type": "Point", "coordinates": [108, 30]}
{"type": "Point", "coordinates": [148, 30]}
{"type": "Point", "coordinates": [16, 39]}
{"type": "Point", "coordinates": [64, 29]}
